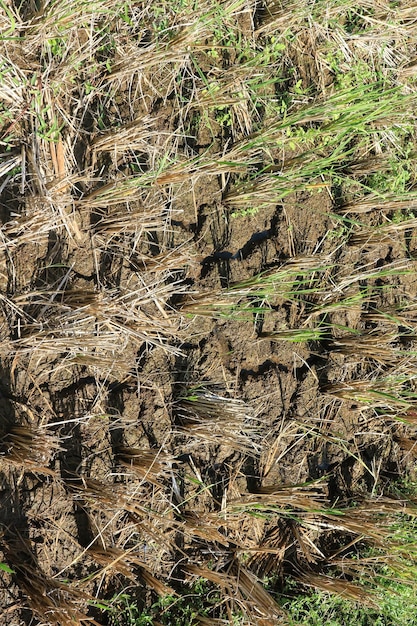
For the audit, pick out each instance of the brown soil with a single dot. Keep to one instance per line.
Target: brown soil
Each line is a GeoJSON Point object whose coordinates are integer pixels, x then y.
{"type": "Point", "coordinates": [70, 495]}
{"type": "Point", "coordinates": [135, 406]}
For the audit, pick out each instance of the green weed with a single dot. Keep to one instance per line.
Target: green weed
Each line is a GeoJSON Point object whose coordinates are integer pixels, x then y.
{"type": "Point", "coordinates": [170, 610]}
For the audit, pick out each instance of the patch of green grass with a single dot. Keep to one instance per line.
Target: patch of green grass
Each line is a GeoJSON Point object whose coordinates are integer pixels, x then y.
{"type": "Point", "coordinates": [170, 610]}
{"type": "Point", "coordinates": [392, 585]}
{"type": "Point", "coordinates": [396, 607]}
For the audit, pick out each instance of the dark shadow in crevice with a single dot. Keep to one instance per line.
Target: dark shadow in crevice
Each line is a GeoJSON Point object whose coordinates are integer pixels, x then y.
{"type": "Point", "coordinates": [253, 243]}
{"type": "Point", "coordinates": [262, 369]}
{"type": "Point", "coordinates": [149, 433]}
{"type": "Point", "coordinates": [153, 243]}
{"type": "Point", "coordinates": [340, 481]}
{"type": "Point", "coordinates": [52, 268]}
{"type": "Point", "coordinates": [319, 464]}
{"type": "Point", "coordinates": [221, 233]}
{"type": "Point", "coordinates": [110, 268]}
{"type": "Point", "coordinates": [71, 459]}
{"type": "Point", "coordinates": [11, 203]}
{"type": "Point", "coordinates": [223, 269]}
{"type": "Point", "coordinates": [28, 9]}
{"type": "Point", "coordinates": [12, 517]}
{"type": "Point", "coordinates": [217, 475]}
{"type": "Point", "coordinates": [221, 260]}
{"type": "Point", "coordinates": [391, 473]}
{"type": "Point", "coordinates": [7, 411]}
{"type": "Point", "coordinates": [116, 407]}
{"type": "Point", "coordinates": [184, 369]}
{"type": "Point", "coordinates": [318, 360]}
{"type": "Point", "coordinates": [252, 475]}
{"type": "Point", "coordinates": [222, 257]}
{"type": "Point", "coordinates": [15, 532]}
{"type": "Point", "coordinates": [276, 220]}
{"type": "Point", "coordinates": [20, 558]}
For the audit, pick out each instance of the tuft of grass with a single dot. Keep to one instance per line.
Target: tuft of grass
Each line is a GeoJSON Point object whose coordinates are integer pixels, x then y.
{"type": "Point", "coordinates": [30, 448]}
{"type": "Point", "coordinates": [60, 601]}
{"type": "Point", "coordinates": [207, 416]}
{"type": "Point", "coordinates": [296, 279]}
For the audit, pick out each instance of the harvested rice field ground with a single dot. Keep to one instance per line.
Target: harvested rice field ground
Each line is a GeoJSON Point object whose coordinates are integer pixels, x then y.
{"type": "Point", "coordinates": [208, 283]}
